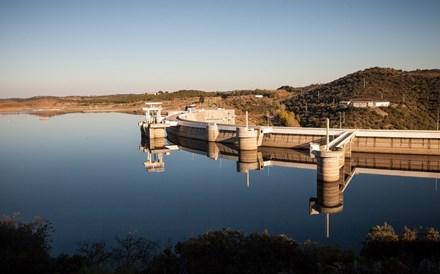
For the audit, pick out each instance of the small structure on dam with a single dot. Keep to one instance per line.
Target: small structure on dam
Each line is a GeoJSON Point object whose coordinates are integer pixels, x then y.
{"type": "Point", "coordinates": [153, 137]}
{"type": "Point", "coordinates": [153, 126]}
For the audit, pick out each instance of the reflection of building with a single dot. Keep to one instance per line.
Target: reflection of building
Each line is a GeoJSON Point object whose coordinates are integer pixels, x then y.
{"type": "Point", "coordinates": [155, 149]}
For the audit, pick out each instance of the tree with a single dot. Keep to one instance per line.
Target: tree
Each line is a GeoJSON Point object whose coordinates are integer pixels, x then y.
{"type": "Point", "coordinates": [24, 247]}
{"type": "Point", "coordinates": [133, 253]}
{"type": "Point", "coordinates": [95, 254]}
{"type": "Point", "coordinates": [286, 118]}
{"type": "Point", "coordinates": [383, 233]}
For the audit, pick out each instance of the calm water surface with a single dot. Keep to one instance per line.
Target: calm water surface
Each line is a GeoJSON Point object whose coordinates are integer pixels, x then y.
{"type": "Point", "coordinates": [85, 173]}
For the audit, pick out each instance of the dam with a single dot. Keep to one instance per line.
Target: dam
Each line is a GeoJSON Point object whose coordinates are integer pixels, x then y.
{"type": "Point", "coordinates": [218, 125]}
{"type": "Point", "coordinates": [337, 155]}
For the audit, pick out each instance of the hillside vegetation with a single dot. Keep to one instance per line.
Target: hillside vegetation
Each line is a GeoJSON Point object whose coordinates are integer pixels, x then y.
{"type": "Point", "coordinates": [414, 97]}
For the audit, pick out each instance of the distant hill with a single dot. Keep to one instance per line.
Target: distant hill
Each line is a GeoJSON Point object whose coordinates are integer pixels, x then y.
{"type": "Point", "coordinates": [414, 97]}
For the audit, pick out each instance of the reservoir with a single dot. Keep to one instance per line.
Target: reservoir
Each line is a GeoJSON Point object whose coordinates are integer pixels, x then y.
{"type": "Point", "coordinates": [86, 174]}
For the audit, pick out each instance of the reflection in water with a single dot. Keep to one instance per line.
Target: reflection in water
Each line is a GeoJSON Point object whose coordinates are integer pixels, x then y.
{"type": "Point", "coordinates": [329, 195]}
{"type": "Point", "coordinates": [92, 185]}
{"type": "Point", "coordinates": [329, 200]}
{"type": "Point", "coordinates": [155, 149]}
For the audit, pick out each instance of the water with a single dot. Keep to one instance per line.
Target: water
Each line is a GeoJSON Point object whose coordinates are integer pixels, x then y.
{"type": "Point", "coordinates": [86, 175]}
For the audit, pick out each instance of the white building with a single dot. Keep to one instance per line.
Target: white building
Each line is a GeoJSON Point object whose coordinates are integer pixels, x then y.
{"type": "Point", "coordinates": [382, 103]}
{"type": "Point", "coordinates": [367, 102]}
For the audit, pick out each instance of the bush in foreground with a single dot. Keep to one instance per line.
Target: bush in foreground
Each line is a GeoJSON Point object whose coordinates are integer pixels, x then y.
{"type": "Point", "coordinates": [25, 247]}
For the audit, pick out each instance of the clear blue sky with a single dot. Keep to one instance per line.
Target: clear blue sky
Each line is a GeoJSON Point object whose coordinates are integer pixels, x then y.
{"type": "Point", "coordinates": [104, 47]}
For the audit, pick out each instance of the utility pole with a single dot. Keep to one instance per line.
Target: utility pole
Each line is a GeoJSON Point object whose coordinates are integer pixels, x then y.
{"type": "Point", "coordinates": [364, 83]}
{"type": "Point", "coordinates": [437, 118]}
{"type": "Point", "coordinates": [340, 120]}
{"type": "Point", "coordinates": [327, 148]}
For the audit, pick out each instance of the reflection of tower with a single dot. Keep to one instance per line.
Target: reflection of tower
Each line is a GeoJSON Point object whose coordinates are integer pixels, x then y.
{"type": "Point", "coordinates": [213, 150]}
{"type": "Point", "coordinates": [249, 160]}
{"type": "Point", "coordinates": [329, 186]}
{"type": "Point", "coordinates": [155, 149]}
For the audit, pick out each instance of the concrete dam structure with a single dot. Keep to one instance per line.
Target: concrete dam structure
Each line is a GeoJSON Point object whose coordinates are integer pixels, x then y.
{"type": "Point", "coordinates": [336, 154]}
{"type": "Point", "coordinates": [218, 126]}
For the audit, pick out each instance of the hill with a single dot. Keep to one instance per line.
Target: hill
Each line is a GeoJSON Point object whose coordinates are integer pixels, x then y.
{"type": "Point", "coordinates": [414, 98]}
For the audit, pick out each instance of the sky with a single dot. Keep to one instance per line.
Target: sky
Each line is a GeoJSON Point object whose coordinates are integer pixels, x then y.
{"type": "Point", "coordinates": [95, 47]}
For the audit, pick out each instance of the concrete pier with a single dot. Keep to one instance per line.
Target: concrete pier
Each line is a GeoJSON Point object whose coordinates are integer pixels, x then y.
{"type": "Point", "coordinates": [153, 130]}
{"type": "Point", "coordinates": [329, 184]}
{"type": "Point", "coordinates": [212, 132]}
{"type": "Point", "coordinates": [247, 138]}
{"type": "Point", "coordinates": [329, 164]}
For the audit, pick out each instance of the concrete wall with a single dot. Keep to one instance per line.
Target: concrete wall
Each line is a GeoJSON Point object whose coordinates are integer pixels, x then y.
{"type": "Point", "coordinates": [396, 161]}
{"type": "Point", "coordinates": [284, 140]}
{"type": "Point", "coordinates": [427, 146]}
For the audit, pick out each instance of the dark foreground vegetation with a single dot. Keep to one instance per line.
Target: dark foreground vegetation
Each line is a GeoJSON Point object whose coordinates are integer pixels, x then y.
{"type": "Point", "coordinates": [25, 248]}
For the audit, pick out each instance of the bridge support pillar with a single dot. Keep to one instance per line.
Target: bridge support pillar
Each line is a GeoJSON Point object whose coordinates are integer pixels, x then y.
{"type": "Point", "coordinates": [212, 132]}
{"type": "Point", "coordinates": [247, 138]}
